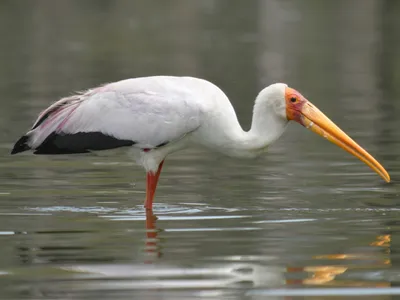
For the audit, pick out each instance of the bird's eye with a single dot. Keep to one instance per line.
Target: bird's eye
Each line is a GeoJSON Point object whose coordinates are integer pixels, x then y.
{"type": "Point", "coordinates": [293, 99]}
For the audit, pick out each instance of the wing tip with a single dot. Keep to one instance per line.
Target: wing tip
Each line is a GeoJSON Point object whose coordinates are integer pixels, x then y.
{"type": "Point", "coordinates": [21, 145]}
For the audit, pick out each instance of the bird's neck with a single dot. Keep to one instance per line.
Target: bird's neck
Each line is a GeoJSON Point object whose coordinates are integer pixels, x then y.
{"type": "Point", "coordinates": [266, 128]}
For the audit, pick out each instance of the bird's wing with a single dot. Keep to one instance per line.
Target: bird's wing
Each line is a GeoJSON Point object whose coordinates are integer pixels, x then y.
{"type": "Point", "coordinates": [146, 116]}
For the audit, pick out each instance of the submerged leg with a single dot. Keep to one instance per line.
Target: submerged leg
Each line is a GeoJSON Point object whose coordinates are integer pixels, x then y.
{"type": "Point", "coordinates": [151, 180]}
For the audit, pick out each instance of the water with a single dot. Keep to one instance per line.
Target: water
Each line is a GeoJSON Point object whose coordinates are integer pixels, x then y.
{"type": "Point", "coordinates": [307, 220]}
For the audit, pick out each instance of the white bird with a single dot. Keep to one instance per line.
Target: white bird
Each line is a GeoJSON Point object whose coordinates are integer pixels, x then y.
{"type": "Point", "coordinates": [159, 115]}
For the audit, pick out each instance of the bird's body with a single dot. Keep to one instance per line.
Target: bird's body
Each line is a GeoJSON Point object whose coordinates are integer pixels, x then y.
{"type": "Point", "coordinates": [158, 115]}
{"type": "Point", "coordinates": [155, 115]}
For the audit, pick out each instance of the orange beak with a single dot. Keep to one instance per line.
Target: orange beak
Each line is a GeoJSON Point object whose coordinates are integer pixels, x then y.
{"type": "Point", "coordinates": [305, 113]}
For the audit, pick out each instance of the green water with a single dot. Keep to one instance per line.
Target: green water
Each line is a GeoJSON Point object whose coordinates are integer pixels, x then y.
{"type": "Point", "coordinates": [305, 220]}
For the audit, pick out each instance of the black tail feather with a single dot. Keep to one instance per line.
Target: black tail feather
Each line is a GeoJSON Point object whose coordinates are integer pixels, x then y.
{"type": "Point", "coordinates": [21, 145]}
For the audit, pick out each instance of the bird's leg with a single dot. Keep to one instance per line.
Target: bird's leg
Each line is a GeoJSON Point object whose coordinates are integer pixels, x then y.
{"type": "Point", "coordinates": [152, 179]}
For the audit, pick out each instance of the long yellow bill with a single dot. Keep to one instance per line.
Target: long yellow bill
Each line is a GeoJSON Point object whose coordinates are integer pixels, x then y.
{"type": "Point", "coordinates": [313, 119]}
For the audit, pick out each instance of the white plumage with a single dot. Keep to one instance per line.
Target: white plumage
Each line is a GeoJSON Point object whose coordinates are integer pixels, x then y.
{"type": "Point", "coordinates": [153, 111]}
{"type": "Point", "coordinates": [158, 115]}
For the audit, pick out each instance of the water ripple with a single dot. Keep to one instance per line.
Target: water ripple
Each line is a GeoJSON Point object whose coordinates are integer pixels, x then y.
{"type": "Point", "coordinates": [327, 292]}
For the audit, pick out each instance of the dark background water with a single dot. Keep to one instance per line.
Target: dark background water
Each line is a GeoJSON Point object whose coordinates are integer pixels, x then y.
{"type": "Point", "coordinates": [306, 218]}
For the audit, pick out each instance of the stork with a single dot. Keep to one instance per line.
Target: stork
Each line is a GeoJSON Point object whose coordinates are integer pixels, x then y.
{"type": "Point", "coordinates": [159, 115]}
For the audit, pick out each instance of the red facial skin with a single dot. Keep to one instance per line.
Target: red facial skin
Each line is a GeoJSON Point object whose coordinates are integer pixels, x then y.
{"type": "Point", "coordinates": [299, 109]}
{"type": "Point", "coordinates": [293, 108]}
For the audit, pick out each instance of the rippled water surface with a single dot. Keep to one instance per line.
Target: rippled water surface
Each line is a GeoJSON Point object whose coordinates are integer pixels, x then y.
{"type": "Point", "coordinates": [307, 220]}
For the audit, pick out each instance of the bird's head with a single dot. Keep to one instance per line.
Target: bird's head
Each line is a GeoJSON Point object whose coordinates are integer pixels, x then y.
{"type": "Point", "coordinates": [293, 106]}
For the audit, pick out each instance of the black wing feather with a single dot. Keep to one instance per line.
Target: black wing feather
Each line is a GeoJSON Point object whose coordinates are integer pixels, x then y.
{"type": "Point", "coordinates": [81, 142]}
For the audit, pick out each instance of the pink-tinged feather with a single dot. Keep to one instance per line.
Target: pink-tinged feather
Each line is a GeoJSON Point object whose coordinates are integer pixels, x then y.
{"type": "Point", "coordinates": [61, 125]}
{"type": "Point", "coordinates": [52, 117]}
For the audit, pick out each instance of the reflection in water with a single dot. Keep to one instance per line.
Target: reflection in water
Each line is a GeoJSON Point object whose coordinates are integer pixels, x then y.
{"type": "Point", "coordinates": [326, 275]}
{"type": "Point", "coordinates": [383, 241]}
{"type": "Point", "coordinates": [75, 267]}
{"type": "Point", "coordinates": [152, 248]}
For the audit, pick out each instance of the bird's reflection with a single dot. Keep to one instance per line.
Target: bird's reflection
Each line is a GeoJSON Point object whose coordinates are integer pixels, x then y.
{"type": "Point", "coordinates": [323, 275]}
{"type": "Point", "coordinates": [316, 275]}
{"type": "Point", "coordinates": [332, 269]}
{"type": "Point", "coordinates": [327, 274]}
{"type": "Point", "coordinates": [152, 249]}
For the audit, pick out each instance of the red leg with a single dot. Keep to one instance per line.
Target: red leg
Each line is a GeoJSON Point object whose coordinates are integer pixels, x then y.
{"type": "Point", "coordinates": [152, 180]}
